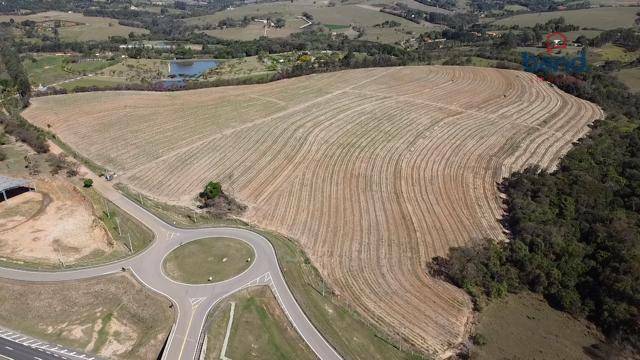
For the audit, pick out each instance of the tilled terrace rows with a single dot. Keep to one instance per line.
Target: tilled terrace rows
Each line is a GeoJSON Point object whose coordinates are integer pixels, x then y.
{"type": "Point", "coordinates": [374, 171]}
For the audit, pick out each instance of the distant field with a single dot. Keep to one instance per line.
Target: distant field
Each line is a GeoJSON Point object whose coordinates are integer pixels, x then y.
{"type": "Point", "coordinates": [92, 81]}
{"type": "Point", "coordinates": [138, 70]}
{"type": "Point", "coordinates": [50, 69]}
{"type": "Point", "coordinates": [373, 171]}
{"type": "Point", "coordinates": [525, 327]}
{"type": "Point", "coordinates": [344, 15]}
{"type": "Point", "coordinates": [630, 77]}
{"type": "Point", "coordinates": [89, 27]}
{"type": "Point", "coordinates": [598, 18]}
{"type": "Point", "coordinates": [590, 34]}
{"type": "Point", "coordinates": [615, 53]}
{"type": "Point", "coordinates": [256, 30]}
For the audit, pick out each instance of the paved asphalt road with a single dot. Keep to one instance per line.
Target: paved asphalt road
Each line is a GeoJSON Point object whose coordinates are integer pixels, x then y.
{"type": "Point", "coordinates": [18, 351]}
{"type": "Point", "coordinates": [192, 302]}
{"type": "Point", "coordinates": [19, 347]}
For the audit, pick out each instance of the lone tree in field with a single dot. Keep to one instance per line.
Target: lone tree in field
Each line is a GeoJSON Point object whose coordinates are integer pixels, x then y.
{"type": "Point", "coordinates": [211, 191]}
{"type": "Point", "coordinates": [217, 202]}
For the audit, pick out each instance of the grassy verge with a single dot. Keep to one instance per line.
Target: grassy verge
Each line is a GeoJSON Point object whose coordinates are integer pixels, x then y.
{"type": "Point", "coordinates": [94, 167]}
{"type": "Point", "coordinates": [260, 329]}
{"type": "Point", "coordinates": [113, 317]}
{"type": "Point", "coordinates": [216, 258]}
{"type": "Point", "coordinates": [344, 328]}
{"type": "Point", "coordinates": [534, 331]}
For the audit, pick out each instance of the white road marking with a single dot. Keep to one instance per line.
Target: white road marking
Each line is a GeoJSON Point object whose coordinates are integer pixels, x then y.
{"type": "Point", "coordinates": [195, 301]}
{"type": "Point", "coordinates": [8, 348]}
{"type": "Point", "coordinates": [223, 352]}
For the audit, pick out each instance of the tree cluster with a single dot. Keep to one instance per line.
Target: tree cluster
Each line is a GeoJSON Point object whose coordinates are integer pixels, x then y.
{"type": "Point", "coordinates": [575, 232]}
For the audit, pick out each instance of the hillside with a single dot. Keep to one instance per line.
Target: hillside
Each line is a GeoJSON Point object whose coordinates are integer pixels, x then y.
{"type": "Point", "coordinates": [374, 171]}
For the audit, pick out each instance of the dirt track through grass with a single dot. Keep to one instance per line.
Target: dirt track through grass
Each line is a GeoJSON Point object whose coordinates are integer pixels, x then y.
{"type": "Point", "coordinates": [374, 171]}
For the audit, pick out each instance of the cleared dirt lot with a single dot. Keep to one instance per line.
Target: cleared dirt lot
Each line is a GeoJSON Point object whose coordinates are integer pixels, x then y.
{"type": "Point", "coordinates": [53, 222]}
{"type": "Point", "coordinates": [374, 171]}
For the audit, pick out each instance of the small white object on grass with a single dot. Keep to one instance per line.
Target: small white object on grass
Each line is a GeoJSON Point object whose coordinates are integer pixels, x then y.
{"type": "Point", "coordinates": [224, 259]}
{"type": "Point", "coordinates": [210, 278]}
{"type": "Point", "coordinates": [248, 259]}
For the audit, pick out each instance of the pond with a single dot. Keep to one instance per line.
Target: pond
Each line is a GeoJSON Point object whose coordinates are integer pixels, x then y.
{"type": "Point", "coordinates": [180, 69]}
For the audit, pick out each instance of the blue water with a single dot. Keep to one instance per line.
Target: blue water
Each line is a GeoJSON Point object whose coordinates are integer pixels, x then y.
{"type": "Point", "coordinates": [180, 69]}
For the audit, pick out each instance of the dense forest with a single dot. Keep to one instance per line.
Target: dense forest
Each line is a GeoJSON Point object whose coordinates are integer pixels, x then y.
{"type": "Point", "coordinates": [575, 232]}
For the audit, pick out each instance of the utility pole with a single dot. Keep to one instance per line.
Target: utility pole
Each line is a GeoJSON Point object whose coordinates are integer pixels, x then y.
{"type": "Point", "coordinates": [60, 257]}
{"type": "Point", "coordinates": [118, 223]}
{"type": "Point", "coordinates": [106, 205]}
{"type": "Point", "coordinates": [130, 246]}
{"type": "Point", "coordinates": [140, 196]}
{"type": "Point", "coordinates": [323, 287]}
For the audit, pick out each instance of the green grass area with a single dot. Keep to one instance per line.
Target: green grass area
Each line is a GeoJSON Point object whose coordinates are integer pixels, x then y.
{"type": "Point", "coordinates": [345, 329]}
{"type": "Point", "coordinates": [138, 70]}
{"type": "Point", "coordinates": [615, 53]}
{"type": "Point", "coordinates": [50, 69]}
{"type": "Point", "coordinates": [589, 34]}
{"type": "Point", "coordinates": [336, 26]}
{"type": "Point", "coordinates": [604, 18]}
{"type": "Point", "coordinates": [113, 317]}
{"type": "Point", "coordinates": [218, 259]}
{"type": "Point", "coordinates": [124, 228]}
{"type": "Point", "coordinates": [46, 69]}
{"type": "Point", "coordinates": [237, 68]}
{"type": "Point", "coordinates": [630, 77]}
{"type": "Point", "coordinates": [523, 326]}
{"type": "Point", "coordinates": [260, 330]}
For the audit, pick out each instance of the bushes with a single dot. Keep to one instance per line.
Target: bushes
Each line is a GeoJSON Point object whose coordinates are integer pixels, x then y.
{"type": "Point", "coordinates": [20, 129]}
{"type": "Point", "coordinates": [211, 191]}
{"type": "Point", "coordinates": [216, 202]}
{"type": "Point", "coordinates": [482, 269]}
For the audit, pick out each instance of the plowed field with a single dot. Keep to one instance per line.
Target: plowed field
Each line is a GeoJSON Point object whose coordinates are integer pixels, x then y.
{"type": "Point", "coordinates": [374, 171]}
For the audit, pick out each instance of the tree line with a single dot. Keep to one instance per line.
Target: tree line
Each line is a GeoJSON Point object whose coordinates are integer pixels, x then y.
{"type": "Point", "coordinates": [574, 232]}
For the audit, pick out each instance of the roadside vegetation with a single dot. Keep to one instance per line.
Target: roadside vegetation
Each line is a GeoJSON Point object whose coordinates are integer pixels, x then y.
{"type": "Point", "coordinates": [260, 329]}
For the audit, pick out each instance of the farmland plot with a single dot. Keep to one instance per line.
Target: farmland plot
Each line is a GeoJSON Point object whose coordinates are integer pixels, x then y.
{"type": "Point", "coordinates": [374, 171]}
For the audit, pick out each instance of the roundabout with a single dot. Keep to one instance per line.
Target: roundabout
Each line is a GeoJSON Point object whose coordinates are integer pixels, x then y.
{"type": "Point", "coordinates": [208, 260]}
{"type": "Point", "coordinates": [193, 302]}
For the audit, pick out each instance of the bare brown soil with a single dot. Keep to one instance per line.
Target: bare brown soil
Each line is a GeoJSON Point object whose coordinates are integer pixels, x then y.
{"type": "Point", "coordinates": [57, 222]}
{"type": "Point", "coordinates": [374, 171]}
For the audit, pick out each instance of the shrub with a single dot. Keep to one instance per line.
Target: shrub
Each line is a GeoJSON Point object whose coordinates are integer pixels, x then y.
{"type": "Point", "coordinates": [88, 183]}
{"type": "Point", "coordinates": [479, 339]}
{"type": "Point", "coordinates": [211, 191]}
